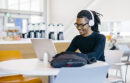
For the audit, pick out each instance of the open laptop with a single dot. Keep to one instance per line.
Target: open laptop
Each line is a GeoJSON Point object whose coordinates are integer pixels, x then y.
{"type": "Point", "coordinates": [44, 45]}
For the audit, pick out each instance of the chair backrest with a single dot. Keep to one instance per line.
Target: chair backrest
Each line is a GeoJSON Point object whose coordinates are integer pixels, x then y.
{"type": "Point", "coordinates": [82, 75]}
{"type": "Point", "coordinates": [19, 79]}
{"type": "Point", "coordinates": [125, 49]}
{"type": "Point", "coordinates": [113, 56]}
{"type": "Point", "coordinates": [11, 77]}
{"type": "Point", "coordinates": [10, 54]}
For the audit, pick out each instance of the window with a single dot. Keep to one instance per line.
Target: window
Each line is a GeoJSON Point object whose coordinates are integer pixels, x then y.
{"type": "Point", "coordinates": [35, 5]}
{"type": "Point", "coordinates": [3, 4]}
{"type": "Point", "coordinates": [13, 4]}
{"type": "Point", "coordinates": [121, 27]}
{"type": "Point", "coordinates": [25, 5]}
{"type": "Point", "coordinates": [28, 5]}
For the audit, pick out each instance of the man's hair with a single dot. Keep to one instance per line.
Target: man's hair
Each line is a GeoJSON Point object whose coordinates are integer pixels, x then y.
{"type": "Point", "coordinates": [87, 14]}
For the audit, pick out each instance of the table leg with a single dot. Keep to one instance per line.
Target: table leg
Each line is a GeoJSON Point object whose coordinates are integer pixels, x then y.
{"type": "Point", "coordinates": [51, 79]}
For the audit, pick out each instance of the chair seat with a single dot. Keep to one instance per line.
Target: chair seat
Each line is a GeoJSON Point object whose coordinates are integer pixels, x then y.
{"type": "Point", "coordinates": [10, 55]}
{"type": "Point", "coordinates": [19, 79]}
{"type": "Point", "coordinates": [113, 80]}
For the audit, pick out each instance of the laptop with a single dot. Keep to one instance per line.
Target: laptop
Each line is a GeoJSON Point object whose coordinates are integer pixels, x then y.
{"type": "Point", "coordinates": [42, 46]}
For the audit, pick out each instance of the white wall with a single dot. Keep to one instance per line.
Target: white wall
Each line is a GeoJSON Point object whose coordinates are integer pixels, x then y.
{"type": "Point", "coordinates": [113, 10]}
{"type": "Point", "coordinates": [65, 11]}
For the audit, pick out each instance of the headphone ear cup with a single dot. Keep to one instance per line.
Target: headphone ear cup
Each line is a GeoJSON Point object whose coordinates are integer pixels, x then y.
{"type": "Point", "coordinates": [91, 23]}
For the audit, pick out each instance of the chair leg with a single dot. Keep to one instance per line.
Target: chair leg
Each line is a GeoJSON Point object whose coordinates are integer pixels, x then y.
{"type": "Point", "coordinates": [51, 79]}
{"type": "Point", "coordinates": [126, 73]}
{"type": "Point", "coordinates": [128, 58]}
{"type": "Point", "coordinates": [116, 72]}
{"type": "Point", "coordinates": [123, 82]}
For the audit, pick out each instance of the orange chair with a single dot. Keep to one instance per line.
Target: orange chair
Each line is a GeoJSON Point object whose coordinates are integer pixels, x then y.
{"type": "Point", "coordinates": [15, 54]}
{"type": "Point", "coordinates": [108, 37]}
{"type": "Point", "coordinates": [19, 79]}
{"type": "Point", "coordinates": [10, 54]}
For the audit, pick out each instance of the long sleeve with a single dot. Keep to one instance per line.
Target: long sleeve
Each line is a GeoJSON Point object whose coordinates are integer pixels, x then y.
{"type": "Point", "coordinates": [72, 46]}
{"type": "Point", "coordinates": [92, 45]}
{"type": "Point", "coordinates": [98, 51]}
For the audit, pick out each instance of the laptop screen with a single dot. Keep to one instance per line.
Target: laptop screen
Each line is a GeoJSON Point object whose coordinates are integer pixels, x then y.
{"type": "Point", "coordinates": [42, 46]}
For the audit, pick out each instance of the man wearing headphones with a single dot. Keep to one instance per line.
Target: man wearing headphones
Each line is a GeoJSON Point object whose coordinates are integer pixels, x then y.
{"type": "Point", "coordinates": [89, 42]}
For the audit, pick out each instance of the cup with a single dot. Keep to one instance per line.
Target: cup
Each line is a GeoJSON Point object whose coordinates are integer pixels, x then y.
{"type": "Point", "coordinates": [45, 58]}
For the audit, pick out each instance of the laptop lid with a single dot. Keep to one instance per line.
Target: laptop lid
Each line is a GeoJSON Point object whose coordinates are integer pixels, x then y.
{"type": "Point", "coordinates": [42, 46]}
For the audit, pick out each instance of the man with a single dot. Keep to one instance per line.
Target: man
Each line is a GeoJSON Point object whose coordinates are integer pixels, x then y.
{"type": "Point", "coordinates": [89, 42]}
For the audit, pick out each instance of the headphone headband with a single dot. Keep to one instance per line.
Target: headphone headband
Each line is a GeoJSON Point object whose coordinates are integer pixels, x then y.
{"type": "Point", "coordinates": [91, 22]}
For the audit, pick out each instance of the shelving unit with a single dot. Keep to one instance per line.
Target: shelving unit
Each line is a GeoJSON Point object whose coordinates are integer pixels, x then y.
{"type": "Point", "coordinates": [12, 34]}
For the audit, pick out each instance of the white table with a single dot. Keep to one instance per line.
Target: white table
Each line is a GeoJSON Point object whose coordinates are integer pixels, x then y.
{"type": "Point", "coordinates": [34, 67]}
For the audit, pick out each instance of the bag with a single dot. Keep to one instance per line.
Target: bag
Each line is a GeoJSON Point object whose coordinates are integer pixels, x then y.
{"type": "Point", "coordinates": [70, 59]}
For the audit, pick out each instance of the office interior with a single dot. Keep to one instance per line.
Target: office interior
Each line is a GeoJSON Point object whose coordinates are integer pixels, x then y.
{"type": "Point", "coordinates": [21, 20]}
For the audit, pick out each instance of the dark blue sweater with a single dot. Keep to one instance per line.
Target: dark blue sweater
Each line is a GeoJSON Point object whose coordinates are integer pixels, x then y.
{"type": "Point", "coordinates": [92, 45]}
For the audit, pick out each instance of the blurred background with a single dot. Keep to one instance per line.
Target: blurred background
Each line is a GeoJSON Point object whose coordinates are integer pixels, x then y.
{"type": "Point", "coordinates": [54, 19]}
{"type": "Point", "coordinates": [21, 20]}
